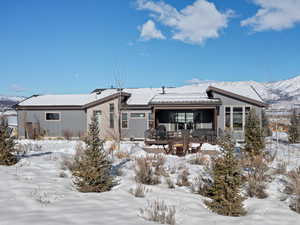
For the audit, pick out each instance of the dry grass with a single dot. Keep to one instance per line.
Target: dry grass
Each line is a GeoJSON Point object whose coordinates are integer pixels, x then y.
{"type": "Point", "coordinates": [170, 183]}
{"type": "Point", "coordinates": [257, 177]}
{"type": "Point", "coordinates": [144, 172]}
{"type": "Point", "coordinates": [202, 186]}
{"type": "Point", "coordinates": [293, 188]}
{"type": "Point", "coordinates": [122, 155]}
{"type": "Point", "coordinates": [200, 159]}
{"type": "Point", "coordinates": [182, 179]}
{"type": "Point", "coordinates": [158, 211]}
{"type": "Point", "coordinates": [139, 191]}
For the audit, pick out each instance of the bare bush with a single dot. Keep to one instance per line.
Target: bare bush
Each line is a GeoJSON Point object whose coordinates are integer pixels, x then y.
{"type": "Point", "coordinates": [139, 191]}
{"type": "Point", "coordinates": [293, 188]}
{"type": "Point", "coordinates": [202, 186]}
{"type": "Point", "coordinates": [200, 159]}
{"type": "Point", "coordinates": [170, 183]}
{"type": "Point", "coordinates": [257, 177]}
{"type": "Point", "coordinates": [158, 211]}
{"type": "Point", "coordinates": [67, 134]}
{"type": "Point", "coordinates": [63, 174]}
{"type": "Point", "coordinates": [122, 155]}
{"type": "Point", "coordinates": [182, 179]}
{"type": "Point", "coordinates": [144, 172]}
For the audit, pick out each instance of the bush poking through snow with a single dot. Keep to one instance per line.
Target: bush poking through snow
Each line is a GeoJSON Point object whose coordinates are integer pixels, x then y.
{"type": "Point", "coordinates": [158, 211]}
{"type": "Point", "coordinates": [257, 177]}
{"type": "Point", "coordinates": [139, 191]}
{"type": "Point", "coordinates": [293, 188]}
{"type": "Point", "coordinates": [144, 172]}
{"type": "Point", "coordinates": [202, 186]}
{"type": "Point", "coordinates": [200, 159]}
{"type": "Point", "coordinates": [227, 176]}
{"type": "Point", "coordinates": [92, 169]}
{"type": "Point", "coordinates": [293, 131]}
{"type": "Point", "coordinates": [182, 179]}
{"type": "Point", "coordinates": [7, 145]}
{"type": "Point", "coordinates": [170, 183]}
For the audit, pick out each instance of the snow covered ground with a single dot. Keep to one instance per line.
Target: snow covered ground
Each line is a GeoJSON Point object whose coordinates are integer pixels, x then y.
{"type": "Point", "coordinates": [33, 192]}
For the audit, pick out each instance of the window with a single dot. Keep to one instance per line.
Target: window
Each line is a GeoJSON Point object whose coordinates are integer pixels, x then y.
{"type": "Point", "coordinates": [53, 116]}
{"type": "Point", "coordinates": [247, 110]}
{"type": "Point", "coordinates": [228, 117]}
{"type": "Point", "coordinates": [111, 115]}
{"type": "Point", "coordinates": [137, 115]}
{"type": "Point", "coordinates": [237, 118]}
{"type": "Point", "coordinates": [124, 120]}
{"type": "Point", "coordinates": [150, 120]}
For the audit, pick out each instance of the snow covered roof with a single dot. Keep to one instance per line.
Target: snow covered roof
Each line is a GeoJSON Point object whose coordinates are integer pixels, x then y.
{"type": "Point", "coordinates": [145, 96]}
{"type": "Point", "coordinates": [182, 98]}
{"type": "Point", "coordinates": [59, 100]}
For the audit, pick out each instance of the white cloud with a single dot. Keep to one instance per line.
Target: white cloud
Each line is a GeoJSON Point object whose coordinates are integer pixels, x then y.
{"type": "Point", "coordinates": [274, 15]}
{"type": "Point", "coordinates": [149, 31]}
{"type": "Point", "coordinates": [17, 88]}
{"type": "Point", "coordinates": [198, 81]}
{"type": "Point", "coordinates": [193, 24]}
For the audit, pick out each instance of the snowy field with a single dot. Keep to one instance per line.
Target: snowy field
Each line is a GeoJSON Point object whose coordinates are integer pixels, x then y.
{"type": "Point", "coordinates": [34, 192]}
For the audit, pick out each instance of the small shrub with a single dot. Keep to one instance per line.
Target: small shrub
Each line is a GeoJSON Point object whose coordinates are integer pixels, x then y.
{"type": "Point", "coordinates": [41, 196]}
{"type": "Point", "coordinates": [293, 188]}
{"type": "Point", "coordinates": [182, 179]}
{"type": "Point", "coordinates": [140, 191]}
{"type": "Point", "coordinates": [202, 186]}
{"type": "Point", "coordinates": [200, 159]}
{"type": "Point", "coordinates": [122, 155]}
{"type": "Point", "coordinates": [158, 211]}
{"type": "Point", "coordinates": [170, 183]}
{"type": "Point", "coordinates": [281, 168]}
{"type": "Point", "coordinates": [257, 177]}
{"type": "Point", "coordinates": [67, 134]}
{"type": "Point", "coordinates": [145, 172]}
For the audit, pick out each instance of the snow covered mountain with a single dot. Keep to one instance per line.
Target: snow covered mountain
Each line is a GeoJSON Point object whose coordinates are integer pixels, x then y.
{"type": "Point", "coordinates": [8, 101]}
{"type": "Point", "coordinates": [280, 94]}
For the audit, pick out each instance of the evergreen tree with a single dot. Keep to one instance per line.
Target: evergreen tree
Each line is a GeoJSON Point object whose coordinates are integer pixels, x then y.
{"type": "Point", "coordinates": [253, 135]}
{"type": "Point", "coordinates": [7, 145]}
{"type": "Point", "coordinates": [227, 177]}
{"type": "Point", "coordinates": [293, 131]}
{"type": "Point", "coordinates": [92, 169]}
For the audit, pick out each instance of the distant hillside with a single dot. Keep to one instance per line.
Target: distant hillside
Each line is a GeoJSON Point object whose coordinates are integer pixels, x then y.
{"type": "Point", "coordinates": [9, 101]}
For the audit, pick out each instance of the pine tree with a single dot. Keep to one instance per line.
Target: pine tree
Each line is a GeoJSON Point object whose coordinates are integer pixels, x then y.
{"type": "Point", "coordinates": [253, 135]}
{"type": "Point", "coordinates": [227, 177]}
{"type": "Point", "coordinates": [7, 145]}
{"type": "Point", "coordinates": [293, 130]}
{"type": "Point", "coordinates": [92, 169]}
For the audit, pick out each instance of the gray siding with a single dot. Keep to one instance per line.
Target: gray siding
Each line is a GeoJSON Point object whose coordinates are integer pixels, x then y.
{"type": "Point", "coordinates": [70, 120]}
{"type": "Point", "coordinates": [227, 101]}
{"type": "Point", "coordinates": [136, 126]}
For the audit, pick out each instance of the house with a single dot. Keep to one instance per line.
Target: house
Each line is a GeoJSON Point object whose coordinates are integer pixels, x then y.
{"type": "Point", "coordinates": [128, 113]}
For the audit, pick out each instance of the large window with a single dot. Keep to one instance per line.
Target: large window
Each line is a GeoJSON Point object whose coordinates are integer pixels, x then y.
{"type": "Point", "coordinates": [124, 120]}
{"type": "Point", "coordinates": [237, 118]}
{"type": "Point", "coordinates": [52, 116]}
{"type": "Point", "coordinates": [111, 115]}
{"type": "Point", "coordinates": [227, 117]}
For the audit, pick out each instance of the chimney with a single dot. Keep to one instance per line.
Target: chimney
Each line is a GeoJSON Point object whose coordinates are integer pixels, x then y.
{"type": "Point", "coordinates": [163, 90]}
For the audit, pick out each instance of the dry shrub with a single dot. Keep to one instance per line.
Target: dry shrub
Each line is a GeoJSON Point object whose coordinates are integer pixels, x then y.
{"type": "Point", "coordinates": [67, 134]}
{"type": "Point", "coordinates": [257, 177]}
{"type": "Point", "coordinates": [170, 183]}
{"type": "Point", "coordinates": [182, 179]}
{"type": "Point", "coordinates": [69, 162]}
{"type": "Point", "coordinates": [200, 159]}
{"type": "Point", "coordinates": [122, 155]}
{"type": "Point", "coordinates": [144, 172]}
{"type": "Point", "coordinates": [281, 168]}
{"type": "Point", "coordinates": [139, 191]}
{"type": "Point", "coordinates": [293, 188]}
{"type": "Point", "coordinates": [63, 174]}
{"type": "Point", "coordinates": [158, 211]}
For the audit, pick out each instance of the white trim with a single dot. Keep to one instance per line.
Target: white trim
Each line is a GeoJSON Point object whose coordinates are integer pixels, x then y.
{"type": "Point", "coordinates": [231, 116]}
{"type": "Point", "coordinates": [53, 120]}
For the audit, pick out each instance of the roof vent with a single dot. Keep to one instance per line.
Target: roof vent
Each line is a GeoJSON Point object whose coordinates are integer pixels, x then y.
{"type": "Point", "coordinates": [163, 90]}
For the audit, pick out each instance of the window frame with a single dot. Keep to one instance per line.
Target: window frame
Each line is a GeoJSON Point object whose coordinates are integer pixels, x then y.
{"type": "Point", "coordinates": [133, 117]}
{"type": "Point", "coordinates": [122, 120]}
{"type": "Point", "coordinates": [59, 113]}
{"type": "Point", "coordinates": [111, 115]}
{"type": "Point", "coordinates": [231, 116]}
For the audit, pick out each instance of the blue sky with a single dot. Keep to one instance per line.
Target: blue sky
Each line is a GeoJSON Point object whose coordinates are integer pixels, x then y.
{"type": "Point", "coordinates": [74, 46]}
